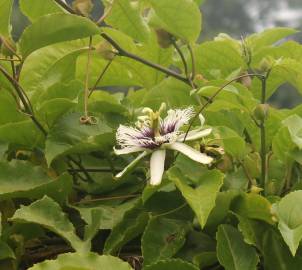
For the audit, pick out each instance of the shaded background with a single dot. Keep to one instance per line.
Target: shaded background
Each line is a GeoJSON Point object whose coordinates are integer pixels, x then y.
{"type": "Point", "coordinates": [237, 18]}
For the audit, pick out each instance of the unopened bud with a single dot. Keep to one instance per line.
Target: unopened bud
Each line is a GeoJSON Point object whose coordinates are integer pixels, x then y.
{"type": "Point", "coordinates": [265, 65]}
{"type": "Point", "coordinates": [9, 47]}
{"type": "Point", "coordinates": [164, 38]}
{"type": "Point", "coordinates": [256, 190]}
{"type": "Point", "coordinates": [82, 7]}
{"type": "Point", "coordinates": [261, 112]}
{"type": "Point", "coordinates": [106, 50]}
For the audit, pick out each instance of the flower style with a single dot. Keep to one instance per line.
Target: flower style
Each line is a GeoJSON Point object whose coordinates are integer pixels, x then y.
{"type": "Point", "coordinates": [154, 135]}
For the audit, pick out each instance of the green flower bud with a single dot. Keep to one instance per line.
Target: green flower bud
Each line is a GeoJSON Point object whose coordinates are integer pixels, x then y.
{"type": "Point", "coordinates": [261, 112]}
{"type": "Point", "coordinates": [265, 65]}
{"type": "Point", "coordinates": [106, 50]}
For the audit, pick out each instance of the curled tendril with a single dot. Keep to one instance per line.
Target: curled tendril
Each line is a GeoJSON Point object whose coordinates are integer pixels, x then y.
{"type": "Point", "coordinates": [88, 120]}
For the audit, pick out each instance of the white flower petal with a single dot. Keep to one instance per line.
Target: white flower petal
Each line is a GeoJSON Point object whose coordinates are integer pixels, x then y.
{"type": "Point", "coordinates": [127, 150]}
{"type": "Point", "coordinates": [190, 152]}
{"type": "Point", "coordinates": [157, 166]}
{"type": "Point", "coordinates": [201, 119]}
{"type": "Point", "coordinates": [195, 134]}
{"type": "Point", "coordinates": [131, 165]}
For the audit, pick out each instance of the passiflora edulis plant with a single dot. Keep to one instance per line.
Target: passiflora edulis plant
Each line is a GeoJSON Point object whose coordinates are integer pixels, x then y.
{"type": "Point", "coordinates": [125, 143]}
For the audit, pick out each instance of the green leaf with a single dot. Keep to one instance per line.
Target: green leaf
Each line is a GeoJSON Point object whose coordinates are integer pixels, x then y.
{"type": "Point", "coordinates": [185, 25]}
{"type": "Point", "coordinates": [20, 179]}
{"type": "Point", "coordinates": [69, 136]}
{"type": "Point", "coordinates": [35, 9]}
{"type": "Point", "coordinates": [5, 15]}
{"type": "Point", "coordinates": [110, 215]}
{"type": "Point", "coordinates": [253, 206]}
{"type": "Point", "coordinates": [218, 59]}
{"type": "Point", "coordinates": [202, 198]}
{"type": "Point", "coordinates": [6, 252]}
{"type": "Point", "coordinates": [232, 143]}
{"type": "Point", "coordinates": [23, 133]}
{"type": "Point", "coordinates": [55, 28]}
{"type": "Point", "coordinates": [132, 225]}
{"type": "Point", "coordinates": [8, 109]}
{"type": "Point", "coordinates": [173, 92]}
{"type": "Point", "coordinates": [276, 254]}
{"type": "Point", "coordinates": [172, 264]}
{"type": "Point", "coordinates": [49, 214]}
{"type": "Point", "coordinates": [232, 252]}
{"type": "Point", "coordinates": [82, 261]}
{"type": "Point", "coordinates": [268, 37]}
{"type": "Point", "coordinates": [41, 65]}
{"type": "Point", "coordinates": [290, 219]}
{"type": "Point", "coordinates": [126, 17]}
{"type": "Point", "coordinates": [162, 239]}
{"type": "Point", "coordinates": [294, 125]}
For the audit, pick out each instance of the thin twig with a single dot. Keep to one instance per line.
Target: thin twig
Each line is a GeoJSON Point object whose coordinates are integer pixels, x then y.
{"type": "Point", "coordinates": [172, 211]}
{"type": "Point", "coordinates": [122, 52]}
{"type": "Point", "coordinates": [101, 76]}
{"type": "Point", "coordinates": [193, 61]}
{"type": "Point", "coordinates": [24, 99]}
{"type": "Point", "coordinates": [65, 6]}
{"type": "Point", "coordinates": [9, 59]}
{"type": "Point", "coordinates": [109, 198]}
{"type": "Point", "coordinates": [182, 57]}
{"type": "Point", "coordinates": [83, 169]}
{"type": "Point", "coordinates": [86, 90]}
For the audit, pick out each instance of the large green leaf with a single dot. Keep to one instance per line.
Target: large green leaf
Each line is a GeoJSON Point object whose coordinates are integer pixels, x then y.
{"type": "Point", "coordinates": [110, 215]}
{"type": "Point", "coordinates": [20, 179]}
{"type": "Point", "coordinates": [132, 225]}
{"type": "Point", "coordinates": [49, 214]}
{"type": "Point", "coordinates": [6, 252]}
{"type": "Point", "coordinates": [42, 63]}
{"type": "Point", "coordinates": [268, 37]}
{"type": "Point", "coordinates": [5, 14]}
{"type": "Point", "coordinates": [23, 133]}
{"type": "Point", "coordinates": [162, 238]}
{"type": "Point", "coordinates": [232, 143]}
{"type": "Point", "coordinates": [289, 213]}
{"type": "Point", "coordinates": [80, 261]}
{"type": "Point", "coordinates": [69, 136]}
{"type": "Point", "coordinates": [202, 198]}
{"type": "Point", "coordinates": [218, 59]}
{"type": "Point", "coordinates": [276, 254]}
{"type": "Point", "coordinates": [35, 9]}
{"type": "Point", "coordinates": [186, 25]}
{"type": "Point", "coordinates": [294, 125]}
{"type": "Point", "coordinates": [126, 17]}
{"type": "Point", "coordinates": [8, 109]}
{"type": "Point", "coordinates": [253, 206]}
{"type": "Point", "coordinates": [172, 264]}
{"type": "Point", "coordinates": [232, 252]}
{"type": "Point", "coordinates": [55, 28]}
{"type": "Point", "coordinates": [173, 92]}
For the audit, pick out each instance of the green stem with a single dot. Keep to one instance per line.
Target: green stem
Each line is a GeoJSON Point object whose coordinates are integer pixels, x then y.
{"type": "Point", "coordinates": [122, 52]}
{"type": "Point", "coordinates": [263, 137]}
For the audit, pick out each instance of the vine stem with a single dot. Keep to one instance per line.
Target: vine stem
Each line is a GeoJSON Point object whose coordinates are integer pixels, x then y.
{"type": "Point", "coordinates": [210, 100]}
{"type": "Point", "coordinates": [101, 76]}
{"type": "Point", "coordinates": [86, 93]}
{"type": "Point", "coordinates": [263, 136]}
{"type": "Point", "coordinates": [122, 52]}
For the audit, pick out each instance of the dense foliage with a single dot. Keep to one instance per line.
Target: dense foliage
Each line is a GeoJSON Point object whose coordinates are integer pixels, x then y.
{"type": "Point", "coordinates": [69, 83]}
